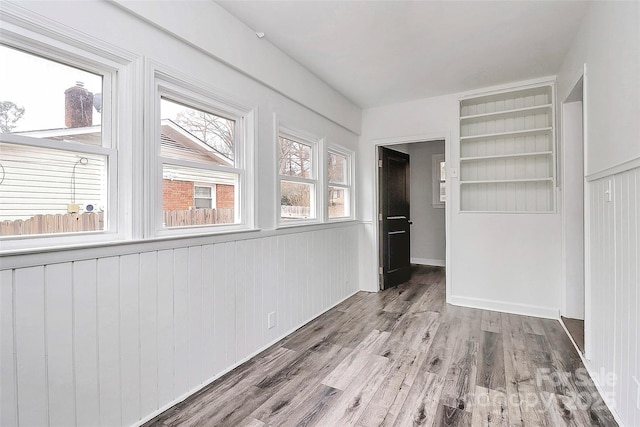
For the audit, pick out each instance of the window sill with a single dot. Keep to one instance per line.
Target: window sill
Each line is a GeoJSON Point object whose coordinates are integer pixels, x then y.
{"type": "Point", "coordinates": [14, 258]}
{"type": "Point", "coordinates": [316, 224]}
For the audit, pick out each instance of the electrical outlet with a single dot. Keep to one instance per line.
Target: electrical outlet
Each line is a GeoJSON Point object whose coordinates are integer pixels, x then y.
{"type": "Point", "coordinates": [271, 320]}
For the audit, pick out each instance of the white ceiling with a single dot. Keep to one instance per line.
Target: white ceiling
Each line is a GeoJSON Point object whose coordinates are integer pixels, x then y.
{"type": "Point", "coordinates": [380, 52]}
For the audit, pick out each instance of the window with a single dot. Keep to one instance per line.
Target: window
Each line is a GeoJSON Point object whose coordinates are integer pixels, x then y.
{"type": "Point", "coordinates": [204, 197]}
{"type": "Point", "coordinates": [439, 180]}
{"type": "Point", "coordinates": [297, 177]}
{"type": "Point", "coordinates": [339, 184]}
{"type": "Point", "coordinates": [196, 146]}
{"type": "Point", "coordinates": [58, 155]}
{"type": "Point", "coordinates": [201, 144]}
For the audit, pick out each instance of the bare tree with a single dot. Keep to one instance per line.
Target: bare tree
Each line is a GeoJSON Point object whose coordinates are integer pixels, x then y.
{"type": "Point", "coordinates": [10, 113]}
{"type": "Point", "coordinates": [217, 132]}
{"type": "Point", "coordinates": [295, 158]}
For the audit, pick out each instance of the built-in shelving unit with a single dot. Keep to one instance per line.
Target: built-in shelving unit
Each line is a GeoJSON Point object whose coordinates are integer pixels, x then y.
{"type": "Point", "coordinates": [507, 151]}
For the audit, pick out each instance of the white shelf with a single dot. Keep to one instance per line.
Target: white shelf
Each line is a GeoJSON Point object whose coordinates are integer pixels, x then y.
{"type": "Point", "coordinates": [496, 130]}
{"type": "Point", "coordinates": [501, 114]}
{"type": "Point", "coordinates": [507, 156]}
{"type": "Point", "coordinates": [506, 181]}
{"type": "Point", "coordinates": [527, 132]}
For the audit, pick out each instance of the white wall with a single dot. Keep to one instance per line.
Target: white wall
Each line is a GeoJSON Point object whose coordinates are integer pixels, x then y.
{"type": "Point", "coordinates": [504, 262]}
{"type": "Point", "coordinates": [608, 42]}
{"type": "Point", "coordinates": [112, 334]}
{"type": "Point", "coordinates": [428, 229]}
{"type": "Point", "coordinates": [572, 192]}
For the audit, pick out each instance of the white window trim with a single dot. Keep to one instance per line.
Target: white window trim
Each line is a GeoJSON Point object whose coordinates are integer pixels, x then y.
{"type": "Point", "coordinates": [164, 82]}
{"type": "Point", "coordinates": [40, 36]}
{"type": "Point", "coordinates": [436, 179]}
{"type": "Point", "coordinates": [318, 204]}
{"type": "Point", "coordinates": [349, 186]}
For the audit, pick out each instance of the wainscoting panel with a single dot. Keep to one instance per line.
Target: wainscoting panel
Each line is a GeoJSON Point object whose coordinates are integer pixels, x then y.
{"type": "Point", "coordinates": [614, 240]}
{"type": "Point", "coordinates": [112, 341]}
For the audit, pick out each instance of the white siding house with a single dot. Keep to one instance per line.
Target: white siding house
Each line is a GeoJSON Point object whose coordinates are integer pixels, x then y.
{"type": "Point", "coordinates": [44, 181]}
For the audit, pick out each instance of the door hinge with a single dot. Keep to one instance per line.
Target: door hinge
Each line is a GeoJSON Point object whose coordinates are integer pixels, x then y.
{"type": "Point", "coordinates": [379, 217]}
{"type": "Point", "coordinates": [379, 163]}
{"type": "Point", "coordinates": [379, 270]}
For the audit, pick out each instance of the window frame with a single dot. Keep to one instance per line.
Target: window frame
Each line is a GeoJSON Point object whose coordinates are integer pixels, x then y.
{"type": "Point", "coordinates": [174, 86]}
{"type": "Point", "coordinates": [115, 66]}
{"type": "Point", "coordinates": [348, 186]}
{"type": "Point", "coordinates": [436, 180]}
{"type": "Point", "coordinates": [317, 205]}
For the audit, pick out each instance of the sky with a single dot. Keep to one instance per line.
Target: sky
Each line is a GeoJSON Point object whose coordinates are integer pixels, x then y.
{"type": "Point", "coordinates": [38, 85]}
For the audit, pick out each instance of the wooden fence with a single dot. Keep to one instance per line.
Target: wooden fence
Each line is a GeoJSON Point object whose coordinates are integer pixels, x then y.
{"type": "Point", "coordinates": [294, 211]}
{"type": "Point", "coordinates": [48, 224]}
{"type": "Point", "coordinates": [299, 212]}
{"type": "Point", "coordinates": [198, 217]}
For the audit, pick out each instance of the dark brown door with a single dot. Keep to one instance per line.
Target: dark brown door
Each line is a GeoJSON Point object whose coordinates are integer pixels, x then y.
{"type": "Point", "coordinates": [393, 218]}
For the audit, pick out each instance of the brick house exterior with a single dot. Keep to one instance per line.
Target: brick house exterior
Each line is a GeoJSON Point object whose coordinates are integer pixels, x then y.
{"type": "Point", "coordinates": [179, 195]}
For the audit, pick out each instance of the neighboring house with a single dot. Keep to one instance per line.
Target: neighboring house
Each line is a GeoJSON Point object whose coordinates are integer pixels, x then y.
{"type": "Point", "coordinates": [47, 181]}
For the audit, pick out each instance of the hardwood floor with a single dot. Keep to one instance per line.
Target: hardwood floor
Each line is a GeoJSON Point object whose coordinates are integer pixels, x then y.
{"type": "Point", "coordinates": [576, 329]}
{"type": "Point", "coordinates": [403, 357]}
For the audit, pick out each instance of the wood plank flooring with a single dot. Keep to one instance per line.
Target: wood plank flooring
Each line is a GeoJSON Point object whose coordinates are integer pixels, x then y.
{"type": "Point", "coordinates": [576, 329]}
{"type": "Point", "coordinates": [403, 357]}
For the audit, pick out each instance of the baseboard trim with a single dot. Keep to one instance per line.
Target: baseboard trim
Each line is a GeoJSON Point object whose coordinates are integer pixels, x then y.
{"type": "Point", "coordinates": [235, 365]}
{"type": "Point", "coordinates": [506, 307]}
{"type": "Point", "coordinates": [429, 261]}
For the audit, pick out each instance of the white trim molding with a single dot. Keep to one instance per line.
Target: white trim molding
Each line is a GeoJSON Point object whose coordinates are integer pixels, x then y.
{"type": "Point", "coordinates": [429, 261]}
{"type": "Point", "coordinates": [506, 307]}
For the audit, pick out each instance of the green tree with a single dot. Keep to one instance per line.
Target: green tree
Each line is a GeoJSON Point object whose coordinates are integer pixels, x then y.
{"type": "Point", "coordinates": [10, 113]}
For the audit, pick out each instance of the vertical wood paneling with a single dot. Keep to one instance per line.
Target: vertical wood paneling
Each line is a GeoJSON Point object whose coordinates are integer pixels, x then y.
{"type": "Point", "coordinates": [8, 398]}
{"type": "Point", "coordinates": [85, 341]}
{"type": "Point", "coordinates": [243, 311]}
{"type": "Point", "coordinates": [261, 316]}
{"type": "Point", "coordinates": [614, 277]}
{"type": "Point", "coordinates": [222, 322]}
{"type": "Point", "coordinates": [30, 346]}
{"type": "Point", "coordinates": [130, 337]}
{"type": "Point", "coordinates": [281, 280]}
{"type": "Point", "coordinates": [59, 326]}
{"type": "Point", "coordinates": [148, 333]}
{"type": "Point", "coordinates": [181, 368]}
{"type": "Point", "coordinates": [194, 278]}
{"type": "Point", "coordinates": [270, 286]}
{"type": "Point", "coordinates": [231, 268]}
{"type": "Point", "coordinates": [166, 390]}
{"type": "Point", "coordinates": [209, 342]}
{"type": "Point", "coordinates": [127, 335]}
{"type": "Point", "coordinates": [626, 356]}
{"type": "Point", "coordinates": [108, 294]}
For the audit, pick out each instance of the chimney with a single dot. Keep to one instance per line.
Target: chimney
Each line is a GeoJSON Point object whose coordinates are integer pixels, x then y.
{"type": "Point", "coordinates": [78, 106]}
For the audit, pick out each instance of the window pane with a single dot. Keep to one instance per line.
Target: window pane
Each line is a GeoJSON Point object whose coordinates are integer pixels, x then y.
{"type": "Point", "coordinates": [43, 190]}
{"type": "Point", "coordinates": [295, 202]}
{"type": "Point", "coordinates": [45, 99]}
{"type": "Point", "coordinates": [203, 192]}
{"type": "Point", "coordinates": [337, 166]}
{"type": "Point", "coordinates": [295, 158]}
{"type": "Point", "coordinates": [203, 203]}
{"type": "Point", "coordinates": [190, 134]}
{"type": "Point", "coordinates": [338, 202]}
{"type": "Point", "coordinates": [180, 206]}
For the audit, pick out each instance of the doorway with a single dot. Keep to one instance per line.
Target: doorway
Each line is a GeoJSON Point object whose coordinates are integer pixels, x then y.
{"type": "Point", "coordinates": [573, 158]}
{"type": "Point", "coordinates": [426, 223]}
